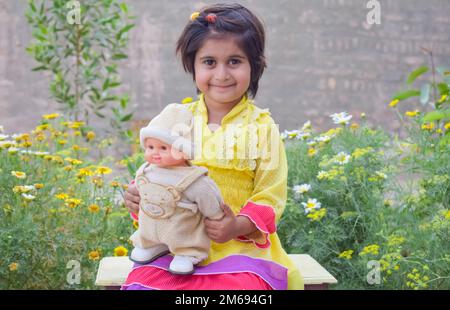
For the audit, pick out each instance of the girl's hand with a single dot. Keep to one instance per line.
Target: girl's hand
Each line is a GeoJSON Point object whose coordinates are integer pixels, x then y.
{"type": "Point", "coordinates": [132, 198]}
{"type": "Point", "coordinates": [228, 227]}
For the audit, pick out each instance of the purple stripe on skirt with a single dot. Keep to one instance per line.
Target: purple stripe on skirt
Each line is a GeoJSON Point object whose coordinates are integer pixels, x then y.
{"type": "Point", "coordinates": [274, 274]}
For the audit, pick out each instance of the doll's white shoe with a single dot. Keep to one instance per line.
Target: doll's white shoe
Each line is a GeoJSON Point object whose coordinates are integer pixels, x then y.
{"type": "Point", "coordinates": [182, 265]}
{"type": "Point", "coordinates": [145, 256]}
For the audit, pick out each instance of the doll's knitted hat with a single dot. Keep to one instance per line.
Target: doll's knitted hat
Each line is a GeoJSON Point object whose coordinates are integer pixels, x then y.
{"type": "Point", "coordinates": [172, 126]}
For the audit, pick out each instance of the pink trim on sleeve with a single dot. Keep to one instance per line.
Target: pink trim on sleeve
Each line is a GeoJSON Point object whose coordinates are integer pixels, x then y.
{"type": "Point", "coordinates": [264, 219]}
{"type": "Point", "coordinates": [134, 216]}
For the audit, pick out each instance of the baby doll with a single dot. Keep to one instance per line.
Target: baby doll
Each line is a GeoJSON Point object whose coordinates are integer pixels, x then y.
{"type": "Point", "coordinates": [176, 196]}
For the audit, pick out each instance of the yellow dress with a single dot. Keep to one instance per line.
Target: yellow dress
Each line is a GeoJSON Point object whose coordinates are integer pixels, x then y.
{"type": "Point", "coordinates": [246, 175]}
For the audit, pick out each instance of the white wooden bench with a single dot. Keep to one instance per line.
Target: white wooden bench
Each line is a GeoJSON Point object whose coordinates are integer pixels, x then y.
{"type": "Point", "coordinates": [113, 271]}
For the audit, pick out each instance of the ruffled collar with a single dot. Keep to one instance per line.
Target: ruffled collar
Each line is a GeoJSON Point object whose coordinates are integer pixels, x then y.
{"type": "Point", "coordinates": [236, 110]}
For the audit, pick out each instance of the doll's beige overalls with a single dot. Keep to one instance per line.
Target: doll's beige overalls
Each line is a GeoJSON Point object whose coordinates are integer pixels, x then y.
{"type": "Point", "coordinates": [165, 219]}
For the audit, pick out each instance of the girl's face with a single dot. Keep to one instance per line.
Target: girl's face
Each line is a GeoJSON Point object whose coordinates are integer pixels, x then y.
{"type": "Point", "coordinates": [162, 154]}
{"type": "Point", "coordinates": [222, 71]}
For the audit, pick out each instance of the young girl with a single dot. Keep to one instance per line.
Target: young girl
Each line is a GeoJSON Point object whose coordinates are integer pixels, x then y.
{"type": "Point", "coordinates": [222, 46]}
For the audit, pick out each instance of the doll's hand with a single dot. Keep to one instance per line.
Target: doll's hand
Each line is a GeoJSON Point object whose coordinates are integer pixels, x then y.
{"type": "Point", "coordinates": [229, 226]}
{"type": "Point", "coordinates": [132, 198]}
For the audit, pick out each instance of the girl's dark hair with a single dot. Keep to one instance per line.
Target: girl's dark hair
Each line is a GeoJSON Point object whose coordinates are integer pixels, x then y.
{"type": "Point", "coordinates": [231, 19]}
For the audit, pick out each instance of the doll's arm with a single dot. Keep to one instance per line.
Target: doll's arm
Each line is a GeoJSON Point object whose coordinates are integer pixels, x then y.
{"type": "Point", "coordinates": [207, 196]}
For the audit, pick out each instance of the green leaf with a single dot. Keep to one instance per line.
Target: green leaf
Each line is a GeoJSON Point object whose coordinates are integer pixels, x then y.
{"type": "Point", "coordinates": [416, 73]}
{"type": "Point", "coordinates": [406, 94]}
{"type": "Point", "coordinates": [119, 56]}
{"type": "Point", "coordinates": [99, 114]}
{"type": "Point", "coordinates": [124, 8]}
{"type": "Point", "coordinates": [436, 116]}
{"type": "Point", "coordinates": [124, 102]}
{"type": "Point", "coordinates": [126, 117]}
{"type": "Point", "coordinates": [425, 94]}
{"type": "Point", "coordinates": [124, 30]}
{"type": "Point", "coordinates": [105, 84]}
{"type": "Point", "coordinates": [39, 68]}
{"type": "Point", "coordinates": [32, 5]}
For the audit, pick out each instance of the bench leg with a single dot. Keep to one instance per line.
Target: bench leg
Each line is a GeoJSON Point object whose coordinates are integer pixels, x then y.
{"type": "Point", "coordinates": [315, 287]}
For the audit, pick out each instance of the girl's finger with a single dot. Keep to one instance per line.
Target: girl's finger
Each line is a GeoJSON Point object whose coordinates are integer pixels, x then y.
{"type": "Point", "coordinates": [132, 198]}
{"type": "Point", "coordinates": [226, 209]}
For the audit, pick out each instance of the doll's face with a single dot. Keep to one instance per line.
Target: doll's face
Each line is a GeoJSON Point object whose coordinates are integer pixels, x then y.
{"type": "Point", "coordinates": [162, 154]}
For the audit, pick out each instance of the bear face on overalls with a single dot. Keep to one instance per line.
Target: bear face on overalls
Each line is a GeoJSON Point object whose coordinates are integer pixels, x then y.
{"type": "Point", "coordinates": [157, 201]}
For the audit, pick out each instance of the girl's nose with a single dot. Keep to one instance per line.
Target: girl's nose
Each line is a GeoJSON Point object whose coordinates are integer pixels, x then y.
{"type": "Point", "coordinates": [221, 73]}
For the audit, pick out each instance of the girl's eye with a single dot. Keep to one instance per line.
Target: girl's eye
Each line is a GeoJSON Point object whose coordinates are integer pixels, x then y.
{"type": "Point", "coordinates": [235, 61]}
{"type": "Point", "coordinates": [209, 62]}
{"type": "Point", "coordinates": [150, 147]}
{"type": "Point", "coordinates": [163, 148]}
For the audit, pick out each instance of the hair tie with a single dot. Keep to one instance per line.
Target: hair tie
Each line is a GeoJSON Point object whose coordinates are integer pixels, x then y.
{"type": "Point", "coordinates": [195, 15]}
{"type": "Point", "coordinates": [211, 18]}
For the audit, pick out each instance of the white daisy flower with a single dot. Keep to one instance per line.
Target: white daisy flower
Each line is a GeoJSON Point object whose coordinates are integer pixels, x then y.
{"type": "Point", "coordinates": [381, 174]}
{"type": "Point", "coordinates": [28, 197]}
{"type": "Point", "coordinates": [2, 129]}
{"type": "Point", "coordinates": [291, 134]}
{"type": "Point", "coordinates": [300, 189]}
{"type": "Point", "coordinates": [323, 139]}
{"type": "Point", "coordinates": [3, 137]}
{"type": "Point", "coordinates": [306, 125]}
{"type": "Point", "coordinates": [341, 118]}
{"type": "Point", "coordinates": [303, 135]}
{"type": "Point", "coordinates": [342, 158]}
{"type": "Point", "coordinates": [310, 205]}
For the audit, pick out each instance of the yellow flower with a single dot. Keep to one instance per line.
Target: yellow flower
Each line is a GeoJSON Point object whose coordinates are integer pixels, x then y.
{"type": "Point", "coordinates": [76, 147]}
{"type": "Point", "coordinates": [77, 133]}
{"type": "Point", "coordinates": [90, 135]}
{"type": "Point", "coordinates": [76, 125]}
{"type": "Point", "coordinates": [316, 216]}
{"type": "Point", "coordinates": [443, 98]}
{"type": "Point", "coordinates": [311, 152]}
{"type": "Point", "coordinates": [103, 170]}
{"type": "Point", "coordinates": [394, 103]}
{"type": "Point", "coordinates": [50, 116]}
{"type": "Point", "coordinates": [412, 113]}
{"type": "Point", "coordinates": [447, 126]}
{"type": "Point", "coordinates": [62, 196]}
{"type": "Point", "coordinates": [62, 141]}
{"type": "Point", "coordinates": [429, 126]}
{"type": "Point", "coordinates": [396, 240]}
{"type": "Point", "coordinates": [135, 224]}
{"type": "Point", "coordinates": [94, 208]}
{"type": "Point", "coordinates": [13, 266]}
{"type": "Point", "coordinates": [84, 172]}
{"type": "Point", "coordinates": [354, 126]}
{"type": "Point", "coordinates": [346, 254]}
{"type": "Point", "coordinates": [97, 181]}
{"type": "Point", "coordinates": [19, 174]}
{"type": "Point", "coordinates": [370, 249]}
{"type": "Point", "coordinates": [38, 185]}
{"type": "Point", "coordinates": [94, 255]}
{"type": "Point", "coordinates": [72, 202]}
{"type": "Point", "coordinates": [120, 251]}
{"type": "Point", "coordinates": [114, 184]}
{"type": "Point", "coordinates": [42, 127]}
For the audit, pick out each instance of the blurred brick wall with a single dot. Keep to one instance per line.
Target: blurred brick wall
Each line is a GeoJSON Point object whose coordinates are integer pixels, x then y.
{"type": "Point", "coordinates": [323, 58]}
